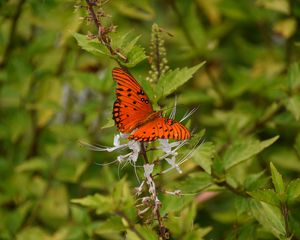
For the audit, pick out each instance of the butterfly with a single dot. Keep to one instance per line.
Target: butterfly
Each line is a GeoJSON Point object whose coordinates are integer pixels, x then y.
{"type": "Point", "coordinates": [133, 113]}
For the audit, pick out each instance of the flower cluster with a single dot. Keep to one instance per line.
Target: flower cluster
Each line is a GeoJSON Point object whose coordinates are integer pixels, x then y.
{"type": "Point", "coordinates": [170, 155]}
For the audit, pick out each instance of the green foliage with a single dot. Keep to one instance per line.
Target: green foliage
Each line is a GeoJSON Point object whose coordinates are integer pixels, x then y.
{"type": "Point", "coordinates": [244, 151]}
{"type": "Point", "coordinates": [56, 90]}
{"type": "Point", "coordinates": [173, 79]}
{"type": "Point", "coordinates": [130, 49]}
{"type": "Point", "coordinates": [91, 45]}
{"type": "Point", "coordinates": [269, 217]}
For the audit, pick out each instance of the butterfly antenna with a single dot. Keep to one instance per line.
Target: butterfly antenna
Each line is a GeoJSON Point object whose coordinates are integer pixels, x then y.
{"type": "Point", "coordinates": [173, 113]}
{"type": "Point", "coordinates": [188, 114]}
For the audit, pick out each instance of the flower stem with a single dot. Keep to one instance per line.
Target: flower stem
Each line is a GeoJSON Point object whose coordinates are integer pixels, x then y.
{"type": "Point", "coordinates": [103, 32]}
{"type": "Point", "coordinates": [163, 231]}
{"type": "Point", "coordinates": [285, 213]}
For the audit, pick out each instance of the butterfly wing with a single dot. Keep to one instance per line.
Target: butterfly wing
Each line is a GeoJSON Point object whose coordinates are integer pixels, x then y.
{"type": "Point", "coordinates": [132, 106]}
{"type": "Point", "coordinates": [161, 128]}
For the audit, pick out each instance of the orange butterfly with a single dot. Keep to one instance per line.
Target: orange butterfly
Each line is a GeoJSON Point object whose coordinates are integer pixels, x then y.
{"type": "Point", "coordinates": [133, 113]}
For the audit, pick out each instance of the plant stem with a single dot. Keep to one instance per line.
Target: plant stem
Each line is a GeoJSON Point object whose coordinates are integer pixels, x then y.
{"type": "Point", "coordinates": [12, 33]}
{"type": "Point", "coordinates": [157, 57]}
{"type": "Point", "coordinates": [103, 31]}
{"type": "Point", "coordinates": [285, 214]}
{"type": "Point", "coordinates": [162, 229]}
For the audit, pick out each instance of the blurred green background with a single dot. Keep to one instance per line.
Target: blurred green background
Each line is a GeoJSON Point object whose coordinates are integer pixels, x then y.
{"type": "Point", "coordinates": [54, 94]}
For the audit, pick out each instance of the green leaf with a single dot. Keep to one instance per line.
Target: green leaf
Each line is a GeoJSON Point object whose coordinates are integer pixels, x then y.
{"type": "Point", "coordinates": [140, 10]}
{"type": "Point", "coordinates": [297, 145]}
{"type": "Point", "coordinates": [173, 79]}
{"type": "Point", "coordinates": [108, 124]}
{"type": "Point", "coordinates": [182, 226]}
{"type": "Point", "coordinates": [54, 208]}
{"type": "Point", "coordinates": [204, 156]}
{"type": "Point", "coordinates": [277, 180]}
{"type": "Point", "coordinates": [267, 196]}
{"type": "Point", "coordinates": [98, 202]}
{"type": "Point", "coordinates": [146, 232]}
{"type": "Point", "coordinates": [121, 194]}
{"type": "Point", "coordinates": [218, 168]}
{"type": "Point", "coordinates": [246, 231]}
{"type": "Point", "coordinates": [17, 217]}
{"type": "Point", "coordinates": [294, 225]}
{"type": "Point", "coordinates": [293, 105]}
{"type": "Point", "coordinates": [111, 225]}
{"type": "Point", "coordinates": [275, 5]}
{"type": "Point", "coordinates": [171, 203]}
{"type": "Point", "coordinates": [33, 233]}
{"type": "Point", "coordinates": [33, 164]}
{"type": "Point", "coordinates": [294, 76]}
{"type": "Point", "coordinates": [241, 205]}
{"type": "Point", "coordinates": [256, 181]}
{"type": "Point", "coordinates": [293, 191]}
{"type": "Point", "coordinates": [269, 217]}
{"type": "Point", "coordinates": [91, 45]}
{"type": "Point", "coordinates": [135, 56]}
{"type": "Point", "coordinates": [128, 47]}
{"type": "Point", "coordinates": [147, 88]}
{"type": "Point", "coordinates": [196, 182]}
{"type": "Point", "coordinates": [71, 172]}
{"type": "Point", "coordinates": [244, 151]}
{"type": "Point", "coordinates": [197, 233]}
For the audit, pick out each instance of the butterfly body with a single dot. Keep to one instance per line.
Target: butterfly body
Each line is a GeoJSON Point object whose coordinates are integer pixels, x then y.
{"type": "Point", "coordinates": [133, 113]}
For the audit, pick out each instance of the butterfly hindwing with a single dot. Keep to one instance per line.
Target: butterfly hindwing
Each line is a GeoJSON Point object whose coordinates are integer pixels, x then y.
{"type": "Point", "coordinates": [132, 106]}
{"type": "Point", "coordinates": [161, 128]}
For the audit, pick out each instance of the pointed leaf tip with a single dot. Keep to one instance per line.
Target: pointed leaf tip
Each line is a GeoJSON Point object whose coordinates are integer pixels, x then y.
{"type": "Point", "coordinates": [277, 179]}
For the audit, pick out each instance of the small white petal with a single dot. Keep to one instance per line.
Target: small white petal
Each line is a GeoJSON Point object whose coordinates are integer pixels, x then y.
{"type": "Point", "coordinates": [148, 169]}
{"type": "Point", "coordinates": [117, 140]}
{"type": "Point", "coordinates": [166, 146]}
{"type": "Point", "coordinates": [134, 145]}
{"type": "Point", "coordinates": [171, 161]}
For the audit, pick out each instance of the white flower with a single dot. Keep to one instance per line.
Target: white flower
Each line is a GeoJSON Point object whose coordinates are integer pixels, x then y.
{"type": "Point", "coordinates": [166, 146]}
{"type": "Point", "coordinates": [172, 162]}
{"type": "Point", "coordinates": [136, 148]}
{"type": "Point", "coordinates": [170, 150]}
{"type": "Point", "coordinates": [184, 158]}
{"type": "Point", "coordinates": [132, 145]}
{"type": "Point", "coordinates": [148, 169]}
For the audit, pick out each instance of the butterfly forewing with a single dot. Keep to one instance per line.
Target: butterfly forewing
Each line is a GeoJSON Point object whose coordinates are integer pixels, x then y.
{"type": "Point", "coordinates": [132, 106]}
